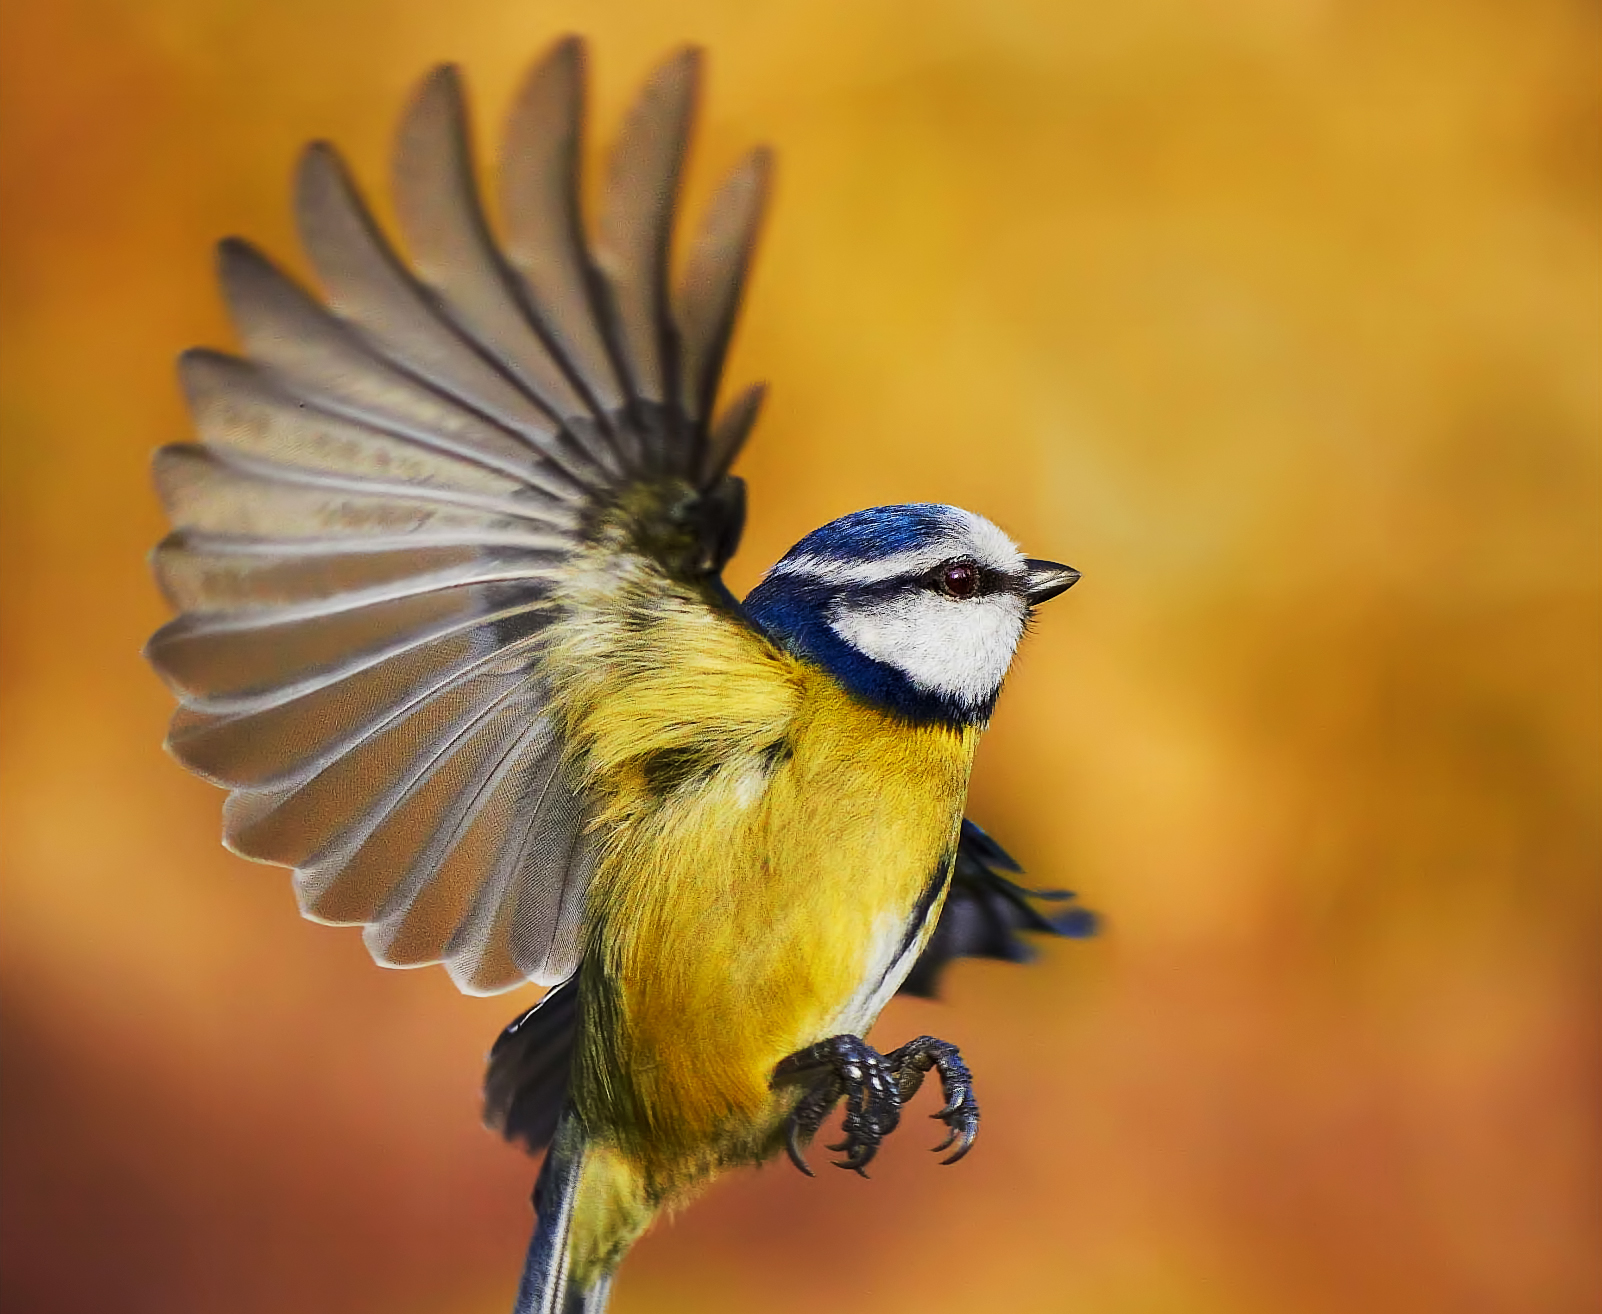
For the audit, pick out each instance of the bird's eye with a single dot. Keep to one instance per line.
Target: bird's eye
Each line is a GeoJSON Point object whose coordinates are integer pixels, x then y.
{"type": "Point", "coordinates": [959, 580]}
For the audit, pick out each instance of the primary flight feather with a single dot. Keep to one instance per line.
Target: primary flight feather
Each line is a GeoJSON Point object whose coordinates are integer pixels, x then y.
{"type": "Point", "coordinates": [452, 633]}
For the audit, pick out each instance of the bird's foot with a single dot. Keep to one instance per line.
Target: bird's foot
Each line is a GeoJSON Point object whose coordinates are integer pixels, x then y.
{"type": "Point", "coordinates": [911, 1063]}
{"type": "Point", "coordinates": [841, 1066]}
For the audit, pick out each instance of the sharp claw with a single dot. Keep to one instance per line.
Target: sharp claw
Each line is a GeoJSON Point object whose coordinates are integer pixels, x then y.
{"type": "Point", "coordinates": [962, 1149]}
{"type": "Point", "coordinates": [860, 1157]}
{"type": "Point", "coordinates": [793, 1146]}
{"type": "Point", "coordinates": [875, 1090]}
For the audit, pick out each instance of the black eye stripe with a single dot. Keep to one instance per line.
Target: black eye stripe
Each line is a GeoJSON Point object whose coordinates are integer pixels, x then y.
{"type": "Point", "coordinates": [990, 581]}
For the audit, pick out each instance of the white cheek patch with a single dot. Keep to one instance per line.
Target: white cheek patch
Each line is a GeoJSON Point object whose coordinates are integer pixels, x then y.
{"type": "Point", "coordinates": [957, 648]}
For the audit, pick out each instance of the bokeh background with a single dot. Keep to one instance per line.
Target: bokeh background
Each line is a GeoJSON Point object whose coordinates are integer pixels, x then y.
{"type": "Point", "coordinates": [1278, 318]}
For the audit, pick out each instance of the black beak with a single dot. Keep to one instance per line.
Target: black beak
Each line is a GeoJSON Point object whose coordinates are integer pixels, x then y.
{"type": "Point", "coordinates": [1044, 580]}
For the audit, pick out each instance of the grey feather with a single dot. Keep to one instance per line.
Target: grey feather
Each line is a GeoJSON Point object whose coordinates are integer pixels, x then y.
{"type": "Point", "coordinates": [714, 277]}
{"type": "Point", "coordinates": [729, 434]}
{"type": "Point", "coordinates": [642, 185]}
{"type": "Point", "coordinates": [367, 285]}
{"type": "Point", "coordinates": [370, 541]}
{"type": "Point", "coordinates": [322, 359]}
{"type": "Point", "coordinates": [235, 404]}
{"type": "Point", "coordinates": [526, 1084]}
{"type": "Point", "coordinates": [437, 203]}
{"type": "Point", "coordinates": [544, 235]}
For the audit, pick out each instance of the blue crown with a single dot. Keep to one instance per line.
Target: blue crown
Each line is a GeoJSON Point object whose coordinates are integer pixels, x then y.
{"type": "Point", "coordinates": [878, 532]}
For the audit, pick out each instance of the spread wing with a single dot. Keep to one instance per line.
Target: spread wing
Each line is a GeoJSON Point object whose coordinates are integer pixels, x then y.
{"type": "Point", "coordinates": [985, 911]}
{"type": "Point", "coordinates": [374, 540]}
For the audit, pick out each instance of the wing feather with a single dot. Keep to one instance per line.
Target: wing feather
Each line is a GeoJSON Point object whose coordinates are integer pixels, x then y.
{"type": "Point", "coordinates": [348, 799]}
{"type": "Point", "coordinates": [729, 434]}
{"type": "Point", "coordinates": [544, 235]}
{"type": "Point", "coordinates": [236, 405]}
{"type": "Point", "coordinates": [375, 876]}
{"type": "Point", "coordinates": [291, 732]}
{"type": "Point", "coordinates": [714, 277]}
{"type": "Point", "coordinates": [209, 489]}
{"type": "Point", "coordinates": [411, 505]}
{"type": "Point", "coordinates": [238, 661]}
{"type": "Point", "coordinates": [222, 573]}
{"type": "Point", "coordinates": [524, 923]}
{"type": "Point", "coordinates": [636, 220]}
{"type": "Point", "coordinates": [439, 211]}
{"type": "Point", "coordinates": [323, 359]}
{"type": "Point", "coordinates": [368, 286]}
{"type": "Point", "coordinates": [519, 825]}
{"type": "Point", "coordinates": [985, 912]}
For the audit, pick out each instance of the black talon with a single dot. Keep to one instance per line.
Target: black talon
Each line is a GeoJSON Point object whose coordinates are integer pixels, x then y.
{"type": "Point", "coordinates": [874, 1087]}
{"type": "Point", "coordinates": [792, 1145]}
{"type": "Point", "coordinates": [912, 1062]}
{"type": "Point", "coordinates": [857, 1159]}
{"type": "Point", "coordinates": [961, 1152]}
{"type": "Point", "coordinates": [841, 1066]}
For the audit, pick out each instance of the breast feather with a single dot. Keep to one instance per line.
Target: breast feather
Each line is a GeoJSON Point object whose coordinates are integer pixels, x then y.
{"type": "Point", "coordinates": [734, 935]}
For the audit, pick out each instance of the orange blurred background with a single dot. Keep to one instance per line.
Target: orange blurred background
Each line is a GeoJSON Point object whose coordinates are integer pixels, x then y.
{"type": "Point", "coordinates": [1278, 318]}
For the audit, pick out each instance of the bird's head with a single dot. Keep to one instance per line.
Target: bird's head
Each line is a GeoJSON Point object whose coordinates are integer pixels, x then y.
{"type": "Point", "coordinates": [916, 608]}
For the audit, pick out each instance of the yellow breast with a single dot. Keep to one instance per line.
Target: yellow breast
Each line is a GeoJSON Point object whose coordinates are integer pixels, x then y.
{"type": "Point", "coordinates": [750, 904]}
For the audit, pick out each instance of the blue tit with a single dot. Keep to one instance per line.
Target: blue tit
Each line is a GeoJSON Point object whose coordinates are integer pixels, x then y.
{"type": "Point", "coordinates": [452, 632]}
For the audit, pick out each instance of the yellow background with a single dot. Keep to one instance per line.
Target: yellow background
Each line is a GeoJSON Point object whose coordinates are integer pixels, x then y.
{"type": "Point", "coordinates": [1277, 318]}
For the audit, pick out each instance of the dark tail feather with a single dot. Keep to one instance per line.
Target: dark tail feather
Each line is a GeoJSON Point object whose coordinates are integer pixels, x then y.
{"type": "Point", "coordinates": [545, 1288]}
{"type": "Point", "coordinates": [526, 1086]}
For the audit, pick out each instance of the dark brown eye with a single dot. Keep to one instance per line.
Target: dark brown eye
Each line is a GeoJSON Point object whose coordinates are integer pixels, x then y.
{"type": "Point", "coordinates": [959, 580]}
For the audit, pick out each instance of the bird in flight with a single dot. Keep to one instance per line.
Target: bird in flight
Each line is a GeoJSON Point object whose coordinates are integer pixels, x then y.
{"type": "Point", "coordinates": [453, 633]}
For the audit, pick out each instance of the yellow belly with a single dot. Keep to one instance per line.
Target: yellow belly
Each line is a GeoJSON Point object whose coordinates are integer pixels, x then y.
{"type": "Point", "coordinates": [746, 908]}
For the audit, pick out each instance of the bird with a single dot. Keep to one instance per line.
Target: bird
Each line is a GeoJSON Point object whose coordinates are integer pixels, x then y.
{"type": "Point", "coordinates": [451, 629]}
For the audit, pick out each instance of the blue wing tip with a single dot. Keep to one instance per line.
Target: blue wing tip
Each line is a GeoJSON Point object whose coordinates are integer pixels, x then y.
{"type": "Point", "coordinates": [1077, 924]}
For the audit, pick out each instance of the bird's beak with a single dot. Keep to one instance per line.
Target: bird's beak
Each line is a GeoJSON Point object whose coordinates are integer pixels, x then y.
{"type": "Point", "coordinates": [1044, 580]}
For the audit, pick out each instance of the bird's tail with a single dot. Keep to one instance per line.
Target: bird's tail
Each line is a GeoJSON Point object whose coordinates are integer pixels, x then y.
{"type": "Point", "coordinates": [591, 1208]}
